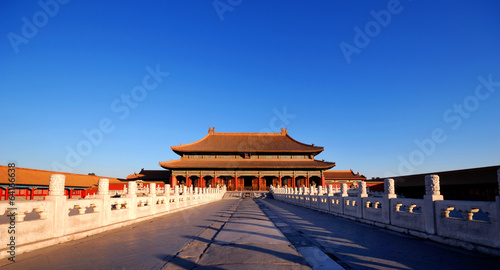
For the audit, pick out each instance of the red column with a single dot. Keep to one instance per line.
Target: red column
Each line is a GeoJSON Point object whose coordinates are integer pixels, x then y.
{"type": "Point", "coordinates": [293, 181]}
{"type": "Point", "coordinates": [235, 183]}
{"type": "Point", "coordinates": [6, 193]}
{"type": "Point", "coordinates": [70, 193]}
{"type": "Point", "coordinates": [322, 181]}
{"type": "Point", "coordinates": [32, 195]}
{"type": "Point", "coordinates": [173, 180]}
{"type": "Point", "coordinates": [259, 183]}
{"type": "Point", "coordinates": [279, 181]}
{"type": "Point", "coordinates": [188, 181]}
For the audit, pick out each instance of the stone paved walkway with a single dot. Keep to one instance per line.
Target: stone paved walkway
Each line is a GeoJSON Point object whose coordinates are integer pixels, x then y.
{"type": "Point", "coordinates": [246, 239]}
{"type": "Point", "coordinates": [361, 246]}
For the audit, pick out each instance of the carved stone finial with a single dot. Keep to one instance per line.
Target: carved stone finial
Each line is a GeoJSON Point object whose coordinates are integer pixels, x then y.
{"type": "Point", "coordinates": [389, 186]}
{"type": "Point", "coordinates": [103, 186]}
{"type": "Point", "coordinates": [56, 184]}
{"type": "Point", "coordinates": [362, 188]}
{"type": "Point", "coordinates": [152, 188]}
{"type": "Point", "coordinates": [343, 188]}
{"type": "Point", "coordinates": [432, 186]}
{"type": "Point", "coordinates": [132, 188]}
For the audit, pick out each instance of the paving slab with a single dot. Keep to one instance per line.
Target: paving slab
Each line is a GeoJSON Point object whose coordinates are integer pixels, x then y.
{"type": "Point", "coordinates": [257, 253]}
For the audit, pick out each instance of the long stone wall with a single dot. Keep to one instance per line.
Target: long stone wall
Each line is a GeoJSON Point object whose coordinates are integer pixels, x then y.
{"type": "Point", "coordinates": [58, 219]}
{"type": "Point", "coordinates": [473, 225]}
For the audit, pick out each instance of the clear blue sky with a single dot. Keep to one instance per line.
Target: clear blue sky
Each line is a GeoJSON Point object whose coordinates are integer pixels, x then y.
{"type": "Point", "coordinates": [427, 74]}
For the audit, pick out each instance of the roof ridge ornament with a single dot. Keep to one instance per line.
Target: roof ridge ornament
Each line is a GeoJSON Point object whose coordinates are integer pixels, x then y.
{"type": "Point", "coordinates": [211, 130]}
{"type": "Point", "coordinates": [284, 131]}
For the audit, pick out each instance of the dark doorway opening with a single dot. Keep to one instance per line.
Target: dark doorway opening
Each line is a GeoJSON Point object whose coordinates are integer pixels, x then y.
{"type": "Point", "coordinates": [248, 181]}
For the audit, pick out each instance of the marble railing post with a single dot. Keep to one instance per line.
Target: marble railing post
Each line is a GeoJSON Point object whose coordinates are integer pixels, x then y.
{"type": "Point", "coordinates": [320, 191]}
{"type": "Point", "coordinates": [103, 195]}
{"type": "Point", "coordinates": [389, 189]}
{"type": "Point", "coordinates": [361, 194]}
{"type": "Point", "coordinates": [103, 186]}
{"type": "Point", "coordinates": [56, 195]}
{"type": "Point", "coordinates": [343, 194]}
{"type": "Point", "coordinates": [167, 196]}
{"type": "Point", "coordinates": [362, 190]}
{"type": "Point", "coordinates": [389, 193]}
{"type": "Point", "coordinates": [497, 199]}
{"type": "Point", "coordinates": [152, 189]}
{"type": "Point", "coordinates": [176, 196]}
{"type": "Point", "coordinates": [343, 190]}
{"type": "Point", "coordinates": [185, 195]}
{"type": "Point", "coordinates": [330, 190]}
{"type": "Point", "coordinates": [152, 194]}
{"type": "Point", "coordinates": [432, 194]}
{"type": "Point", "coordinates": [132, 194]}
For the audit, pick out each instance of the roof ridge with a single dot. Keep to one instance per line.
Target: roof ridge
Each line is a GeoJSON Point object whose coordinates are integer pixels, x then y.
{"type": "Point", "coordinates": [249, 133]}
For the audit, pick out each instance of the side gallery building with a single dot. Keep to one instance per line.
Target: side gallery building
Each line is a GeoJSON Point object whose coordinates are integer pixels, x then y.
{"type": "Point", "coordinates": [245, 161]}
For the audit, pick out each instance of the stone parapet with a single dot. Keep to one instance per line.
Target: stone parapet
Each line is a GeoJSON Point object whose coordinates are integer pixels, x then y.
{"type": "Point", "coordinates": [62, 219]}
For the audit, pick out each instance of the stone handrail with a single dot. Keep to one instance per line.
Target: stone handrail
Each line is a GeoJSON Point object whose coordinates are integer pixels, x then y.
{"type": "Point", "coordinates": [471, 225]}
{"type": "Point", "coordinates": [58, 219]}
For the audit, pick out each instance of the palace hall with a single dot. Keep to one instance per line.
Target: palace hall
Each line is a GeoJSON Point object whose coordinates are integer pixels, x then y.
{"type": "Point", "coordinates": [246, 161]}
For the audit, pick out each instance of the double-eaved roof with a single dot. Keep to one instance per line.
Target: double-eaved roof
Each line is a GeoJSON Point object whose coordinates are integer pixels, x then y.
{"type": "Point", "coordinates": [277, 150]}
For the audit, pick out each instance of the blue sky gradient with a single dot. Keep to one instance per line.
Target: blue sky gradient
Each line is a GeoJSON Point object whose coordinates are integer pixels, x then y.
{"type": "Point", "coordinates": [430, 76]}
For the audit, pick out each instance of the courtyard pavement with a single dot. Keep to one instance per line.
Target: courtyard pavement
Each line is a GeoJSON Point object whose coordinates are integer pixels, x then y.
{"type": "Point", "coordinates": [250, 233]}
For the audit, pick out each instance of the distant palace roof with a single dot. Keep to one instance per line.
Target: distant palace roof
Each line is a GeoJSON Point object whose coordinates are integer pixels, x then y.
{"type": "Point", "coordinates": [343, 175]}
{"type": "Point", "coordinates": [33, 177]}
{"type": "Point", "coordinates": [247, 142]}
{"type": "Point", "coordinates": [150, 175]}
{"type": "Point", "coordinates": [184, 163]}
